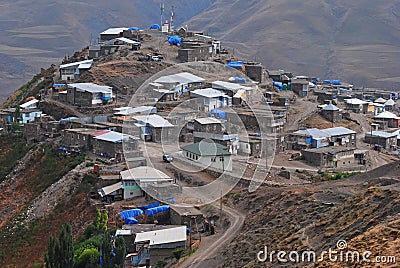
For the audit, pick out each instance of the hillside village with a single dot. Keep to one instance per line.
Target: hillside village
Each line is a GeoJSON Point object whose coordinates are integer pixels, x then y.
{"type": "Point", "coordinates": [227, 119]}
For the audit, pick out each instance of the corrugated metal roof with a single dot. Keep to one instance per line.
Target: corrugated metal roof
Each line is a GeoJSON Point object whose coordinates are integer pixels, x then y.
{"type": "Point", "coordinates": [355, 101]}
{"type": "Point", "coordinates": [330, 107]}
{"type": "Point", "coordinates": [29, 103]}
{"type": "Point", "coordinates": [389, 102]}
{"type": "Point", "coordinates": [78, 64]}
{"type": "Point", "coordinates": [208, 93]}
{"type": "Point", "coordinates": [208, 120]}
{"type": "Point", "coordinates": [324, 133]}
{"type": "Point", "coordinates": [128, 41]}
{"type": "Point", "coordinates": [143, 172]}
{"type": "Point", "coordinates": [114, 30]}
{"type": "Point", "coordinates": [180, 78]}
{"type": "Point", "coordinates": [380, 100]}
{"type": "Point", "coordinates": [313, 132]}
{"type": "Point", "coordinates": [135, 110]}
{"type": "Point", "coordinates": [382, 134]}
{"type": "Point", "coordinates": [153, 120]}
{"type": "Point", "coordinates": [91, 87]}
{"type": "Point", "coordinates": [109, 189]}
{"type": "Point", "coordinates": [337, 131]}
{"type": "Point", "coordinates": [228, 86]}
{"type": "Point", "coordinates": [113, 136]}
{"type": "Point", "coordinates": [387, 115]}
{"type": "Point", "coordinates": [164, 236]}
{"type": "Point", "coordinates": [123, 232]}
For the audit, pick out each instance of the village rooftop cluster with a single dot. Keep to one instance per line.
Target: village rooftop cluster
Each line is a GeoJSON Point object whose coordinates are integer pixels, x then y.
{"type": "Point", "coordinates": [208, 133]}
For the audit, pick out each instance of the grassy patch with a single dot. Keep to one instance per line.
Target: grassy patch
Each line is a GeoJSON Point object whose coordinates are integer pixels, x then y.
{"type": "Point", "coordinates": [50, 167]}
{"type": "Point", "coordinates": [12, 148]}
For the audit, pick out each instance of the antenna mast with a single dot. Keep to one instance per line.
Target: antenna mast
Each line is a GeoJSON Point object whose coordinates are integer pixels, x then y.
{"type": "Point", "coordinates": [172, 17]}
{"type": "Point", "coordinates": [162, 13]}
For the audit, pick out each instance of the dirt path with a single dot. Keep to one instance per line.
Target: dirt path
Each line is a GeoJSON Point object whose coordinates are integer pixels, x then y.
{"type": "Point", "coordinates": [204, 256]}
{"type": "Point", "coordinates": [298, 112]}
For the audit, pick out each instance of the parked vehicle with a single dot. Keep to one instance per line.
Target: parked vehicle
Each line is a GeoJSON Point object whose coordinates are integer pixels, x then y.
{"type": "Point", "coordinates": [167, 158]}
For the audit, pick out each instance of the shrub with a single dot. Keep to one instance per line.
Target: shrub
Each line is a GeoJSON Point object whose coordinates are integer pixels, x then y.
{"type": "Point", "coordinates": [177, 253]}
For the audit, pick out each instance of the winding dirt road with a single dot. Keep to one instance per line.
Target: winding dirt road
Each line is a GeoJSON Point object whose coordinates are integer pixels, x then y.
{"type": "Point", "coordinates": [206, 253]}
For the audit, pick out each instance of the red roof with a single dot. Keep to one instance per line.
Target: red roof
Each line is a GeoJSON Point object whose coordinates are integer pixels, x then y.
{"type": "Point", "coordinates": [100, 133]}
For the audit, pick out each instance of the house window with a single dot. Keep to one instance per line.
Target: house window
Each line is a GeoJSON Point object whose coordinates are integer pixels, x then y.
{"type": "Point", "coordinates": [221, 158]}
{"type": "Point", "coordinates": [212, 159]}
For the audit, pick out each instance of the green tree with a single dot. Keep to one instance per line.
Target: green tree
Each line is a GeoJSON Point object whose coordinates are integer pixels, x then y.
{"type": "Point", "coordinates": [106, 249]}
{"type": "Point", "coordinates": [104, 221]}
{"type": "Point", "coordinates": [97, 219]}
{"type": "Point", "coordinates": [120, 252]}
{"type": "Point", "coordinates": [51, 258]}
{"type": "Point", "coordinates": [66, 247]}
{"type": "Point", "coordinates": [88, 259]}
{"type": "Point", "coordinates": [60, 253]}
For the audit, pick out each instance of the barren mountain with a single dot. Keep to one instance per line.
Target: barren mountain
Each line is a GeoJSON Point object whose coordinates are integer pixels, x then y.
{"type": "Point", "coordinates": [356, 41]}
{"type": "Point", "coordinates": [39, 33]}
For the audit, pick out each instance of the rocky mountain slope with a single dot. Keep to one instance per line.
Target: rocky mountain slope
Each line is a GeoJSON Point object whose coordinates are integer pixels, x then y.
{"type": "Point", "coordinates": [354, 41]}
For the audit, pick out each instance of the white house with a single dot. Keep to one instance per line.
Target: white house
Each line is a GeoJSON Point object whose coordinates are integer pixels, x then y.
{"type": "Point", "coordinates": [170, 81]}
{"type": "Point", "coordinates": [136, 179]}
{"type": "Point", "coordinates": [163, 238]}
{"type": "Point", "coordinates": [175, 84]}
{"type": "Point", "coordinates": [154, 128]}
{"type": "Point", "coordinates": [212, 98]}
{"type": "Point", "coordinates": [71, 71]}
{"type": "Point", "coordinates": [232, 87]}
{"type": "Point", "coordinates": [29, 115]}
{"type": "Point", "coordinates": [209, 154]}
{"type": "Point", "coordinates": [88, 94]}
{"type": "Point", "coordinates": [112, 33]}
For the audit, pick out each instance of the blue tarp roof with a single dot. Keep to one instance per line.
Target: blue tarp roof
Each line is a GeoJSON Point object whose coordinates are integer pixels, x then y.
{"type": "Point", "coordinates": [239, 80]}
{"type": "Point", "coordinates": [174, 40]}
{"type": "Point", "coordinates": [134, 29]}
{"type": "Point", "coordinates": [155, 26]}
{"type": "Point", "coordinates": [153, 205]}
{"type": "Point", "coordinates": [59, 85]}
{"type": "Point", "coordinates": [235, 64]}
{"type": "Point", "coordinates": [218, 113]}
{"type": "Point", "coordinates": [152, 211]}
{"type": "Point", "coordinates": [130, 213]}
{"type": "Point", "coordinates": [278, 84]}
{"type": "Point", "coordinates": [68, 119]}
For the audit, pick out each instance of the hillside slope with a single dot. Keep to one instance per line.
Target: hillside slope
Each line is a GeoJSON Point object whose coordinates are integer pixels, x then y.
{"type": "Point", "coordinates": [354, 41]}
{"type": "Point", "coordinates": [38, 34]}
{"type": "Point", "coordinates": [363, 210]}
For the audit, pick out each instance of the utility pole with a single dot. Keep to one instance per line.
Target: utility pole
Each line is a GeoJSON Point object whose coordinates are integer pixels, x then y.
{"type": "Point", "coordinates": [220, 208]}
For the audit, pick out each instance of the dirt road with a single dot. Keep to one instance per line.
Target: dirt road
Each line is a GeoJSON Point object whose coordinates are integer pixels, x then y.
{"type": "Point", "coordinates": [204, 256]}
